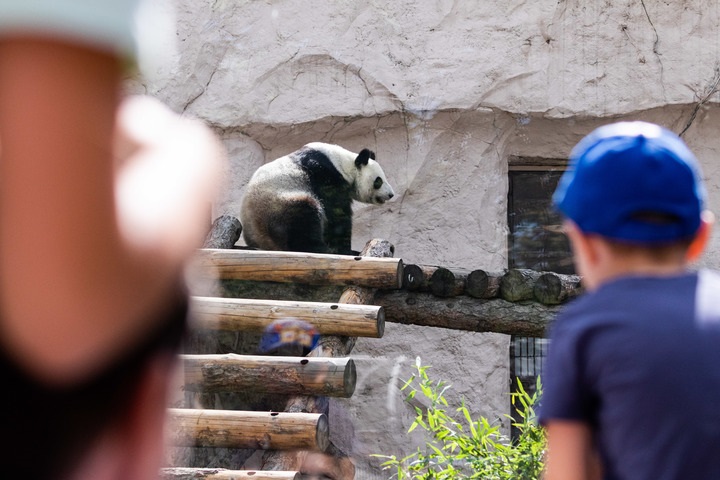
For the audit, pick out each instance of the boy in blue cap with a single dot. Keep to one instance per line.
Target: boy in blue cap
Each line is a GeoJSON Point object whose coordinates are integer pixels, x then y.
{"type": "Point", "coordinates": [633, 374]}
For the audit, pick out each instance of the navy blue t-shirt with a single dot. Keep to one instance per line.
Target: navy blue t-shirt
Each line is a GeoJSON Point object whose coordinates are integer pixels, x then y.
{"type": "Point", "coordinates": [639, 361]}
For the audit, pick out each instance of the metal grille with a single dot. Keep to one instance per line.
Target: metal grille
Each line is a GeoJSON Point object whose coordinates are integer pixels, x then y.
{"type": "Point", "coordinates": [527, 362]}
{"type": "Point", "coordinates": [528, 356]}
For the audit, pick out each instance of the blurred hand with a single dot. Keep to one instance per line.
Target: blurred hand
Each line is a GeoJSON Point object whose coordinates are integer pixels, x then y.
{"type": "Point", "coordinates": [167, 175]}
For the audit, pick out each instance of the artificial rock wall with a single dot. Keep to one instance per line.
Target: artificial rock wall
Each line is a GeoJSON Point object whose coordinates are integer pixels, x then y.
{"type": "Point", "coordinates": [445, 92]}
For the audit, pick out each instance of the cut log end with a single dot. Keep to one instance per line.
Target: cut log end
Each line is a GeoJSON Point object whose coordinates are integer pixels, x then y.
{"type": "Point", "coordinates": [548, 289]}
{"type": "Point", "coordinates": [225, 231]}
{"type": "Point", "coordinates": [552, 288]}
{"type": "Point", "coordinates": [350, 378]}
{"type": "Point", "coordinates": [477, 283]}
{"type": "Point", "coordinates": [445, 283]}
{"type": "Point", "coordinates": [413, 277]}
{"type": "Point", "coordinates": [380, 322]}
{"type": "Point", "coordinates": [378, 247]}
{"type": "Point", "coordinates": [518, 284]}
{"type": "Point", "coordinates": [482, 284]}
{"type": "Point", "coordinates": [322, 433]}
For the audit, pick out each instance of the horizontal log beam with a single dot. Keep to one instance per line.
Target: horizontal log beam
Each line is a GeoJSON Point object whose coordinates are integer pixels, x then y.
{"type": "Point", "coordinates": [295, 267]}
{"type": "Point", "coordinates": [214, 313]}
{"type": "Point", "coordinates": [253, 430]}
{"type": "Point", "coordinates": [464, 313]}
{"type": "Point", "coordinates": [223, 474]}
{"type": "Point", "coordinates": [324, 376]}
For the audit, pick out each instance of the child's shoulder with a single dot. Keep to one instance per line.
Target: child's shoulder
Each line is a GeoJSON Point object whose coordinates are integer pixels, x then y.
{"type": "Point", "coordinates": [632, 299]}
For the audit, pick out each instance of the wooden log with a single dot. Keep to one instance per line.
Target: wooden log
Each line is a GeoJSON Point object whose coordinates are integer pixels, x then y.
{"type": "Point", "coordinates": [225, 231]}
{"type": "Point", "coordinates": [241, 429]}
{"type": "Point", "coordinates": [482, 284]}
{"type": "Point", "coordinates": [553, 288]}
{"type": "Point", "coordinates": [333, 377]}
{"type": "Point", "coordinates": [464, 313]}
{"type": "Point", "coordinates": [223, 474]}
{"type": "Point", "coordinates": [417, 277]}
{"type": "Point", "coordinates": [518, 284]}
{"type": "Point", "coordinates": [212, 313]}
{"type": "Point", "coordinates": [295, 267]}
{"type": "Point", "coordinates": [447, 283]}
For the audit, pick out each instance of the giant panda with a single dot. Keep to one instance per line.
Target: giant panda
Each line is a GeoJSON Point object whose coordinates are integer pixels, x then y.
{"type": "Point", "coordinates": [302, 202]}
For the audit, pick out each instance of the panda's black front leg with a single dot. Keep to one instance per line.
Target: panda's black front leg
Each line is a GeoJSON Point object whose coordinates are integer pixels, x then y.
{"type": "Point", "coordinates": [338, 233]}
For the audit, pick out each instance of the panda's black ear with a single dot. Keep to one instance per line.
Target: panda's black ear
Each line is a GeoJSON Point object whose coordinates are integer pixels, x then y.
{"type": "Point", "coordinates": [363, 157]}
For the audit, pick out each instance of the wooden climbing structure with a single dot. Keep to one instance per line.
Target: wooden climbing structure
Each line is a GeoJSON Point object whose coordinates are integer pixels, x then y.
{"type": "Point", "coordinates": [288, 434]}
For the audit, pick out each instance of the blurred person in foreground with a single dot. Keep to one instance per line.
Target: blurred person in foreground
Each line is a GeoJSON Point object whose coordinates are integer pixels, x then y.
{"type": "Point", "coordinates": [101, 202]}
{"type": "Point", "coordinates": [632, 379]}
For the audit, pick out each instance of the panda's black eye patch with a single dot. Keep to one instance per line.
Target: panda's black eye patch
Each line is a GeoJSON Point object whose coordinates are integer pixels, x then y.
{"type": "Point", "coordinates": [378, 183]}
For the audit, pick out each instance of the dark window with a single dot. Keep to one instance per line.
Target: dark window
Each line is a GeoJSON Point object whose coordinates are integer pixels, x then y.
{"type": "Point", "coordinates": [536, 241]}
{"type": "Point", "coordinates": [536, 238]}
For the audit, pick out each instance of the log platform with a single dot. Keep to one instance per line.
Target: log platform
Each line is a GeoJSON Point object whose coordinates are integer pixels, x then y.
{"type": "Point", "coordinates": [301, 426]}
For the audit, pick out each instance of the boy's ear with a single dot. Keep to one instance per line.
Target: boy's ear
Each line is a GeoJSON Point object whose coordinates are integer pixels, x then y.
{"type": "Point", "coordinates": [707, 219]}
{"type": "Point", "coordinates": [587, 253]}
{"type": "Point", "coordinates": [581, 242]}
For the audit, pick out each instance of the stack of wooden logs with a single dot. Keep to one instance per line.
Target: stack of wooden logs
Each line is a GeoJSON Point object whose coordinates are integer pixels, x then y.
{"type": "Point", "coordinates": [514, 302]}
{"type": "Point", "coordinates": [513, 285]}
{"type": "Point", "coordinates": [304, 382]}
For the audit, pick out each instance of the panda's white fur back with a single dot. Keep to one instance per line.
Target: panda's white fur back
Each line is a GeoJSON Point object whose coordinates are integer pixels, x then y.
{"type": "Point", "coordinates": [302, 201]}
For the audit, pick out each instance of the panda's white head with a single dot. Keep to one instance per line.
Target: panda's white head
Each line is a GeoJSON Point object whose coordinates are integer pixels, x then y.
{"type": "Point", "coordinates": [359, 170]}
{"type": "Point", "coordinates": [371, 186]}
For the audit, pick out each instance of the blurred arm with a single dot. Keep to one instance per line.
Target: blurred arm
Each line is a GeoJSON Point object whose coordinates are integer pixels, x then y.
{"type": "Point", "coordinates": [570, 452]}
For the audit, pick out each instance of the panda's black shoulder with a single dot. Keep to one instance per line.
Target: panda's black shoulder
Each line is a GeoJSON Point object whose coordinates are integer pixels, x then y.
{"type": "Point", "coordinates": [318, 166]}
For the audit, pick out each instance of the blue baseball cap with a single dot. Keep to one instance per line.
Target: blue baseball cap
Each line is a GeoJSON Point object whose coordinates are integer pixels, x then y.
{"type": "Point", "coordinates": [634, 182]}
{"type": "Point", "coordinates": [286, 332]}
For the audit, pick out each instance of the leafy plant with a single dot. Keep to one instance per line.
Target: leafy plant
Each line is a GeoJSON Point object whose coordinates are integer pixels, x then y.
{"type": "Point", "coordinates": [467, 448]}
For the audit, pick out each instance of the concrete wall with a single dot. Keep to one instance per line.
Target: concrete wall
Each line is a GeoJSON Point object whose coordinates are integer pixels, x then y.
{"type": "Point", "coordinates": [445, 92]}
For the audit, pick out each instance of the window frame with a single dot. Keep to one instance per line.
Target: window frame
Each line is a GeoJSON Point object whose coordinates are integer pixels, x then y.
{"type": "Point", "coordinates": [539, 165]}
